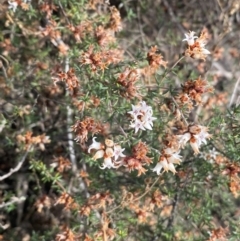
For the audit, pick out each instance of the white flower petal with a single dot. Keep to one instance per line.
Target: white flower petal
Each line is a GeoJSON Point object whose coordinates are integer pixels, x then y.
{"type": "Point", "coordinates": [118, 152]}
{"type": "Point", "coordinates": [190, 38]}
{"type": "Point", "coordinates": [171, 168]}
{"type": "Point", "coordinates": [12, 5]}
{"type": "Point", "coordinates": [95, 145]}
{"type": "Point", "coordinates": [183, 139]}
{"type": "Point", "coordinates": [158, 168]}
{"type": "Point", "coordinates": [108, 163]}
{"type": "Point", "coordinates": [109, 152]}
{"type": "Point", "coordinates": [98, 154]}
{"type": "Point", "coordinates": [165, 164]}
{"type": "Point", "coordinates": [195, 147]}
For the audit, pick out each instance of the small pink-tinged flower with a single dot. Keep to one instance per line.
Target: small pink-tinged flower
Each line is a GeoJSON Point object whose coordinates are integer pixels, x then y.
{"type": "Point", "coordinates": [135, 111]}
{"type": "Point", "coordinates": [108, 163]}
{"type": "Point", "coordinates": [171, 168]}
{"type": "Point", "coordinates": [142, 117]}
{"type": "Point", "coordinates": [183, 139]}
{"type": "Point", "coordinates": [13, 5]}
{"type": "Point", "coordinates": [137, 124]}
{"type": "Point", "coordinates": [202, 136]}
{"type": "Point", "coordinates": [118, 152]}
{"type": "Point", "coordinates": [173, 156]}
{"type": "Point", "coordinates": [190, 38]}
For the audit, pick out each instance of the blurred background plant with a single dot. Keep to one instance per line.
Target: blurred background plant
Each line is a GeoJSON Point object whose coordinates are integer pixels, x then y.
{"type": "Point", "coordinates": [99, 100]}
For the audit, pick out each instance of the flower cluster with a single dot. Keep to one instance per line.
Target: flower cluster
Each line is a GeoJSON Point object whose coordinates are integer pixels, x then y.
{"type": "Point", "coordinates": [192, 92]}
{"type": "Point", "coordinates": [104, 36]}
{"type": "Point", "coordinates": [109, 151]}
{"type": "Point", "coordinates": [81, 30]}
{"type": "Point", "coordinates": [196, 135]}
{"type": "Point", "coordinates": [66, 234]}
{"type": "Point", "coordinates": [155, 59]}
{"type": "Point", "coordinates": [115, 23]}
{"type": "Point", "coordinates": [169, 155]}
{"type": "Point", "coordinates": [218, 234]}
{"type": "Point", "coordinates": [195, 89]}
{"type": "Point", "coordinates": [82, 129]}
{"type": "Point", "coordinates": [13, 4]}
{"type": "Point", "coordinates": [196, 45]}
{"type": "Point", "coordinates": [100, 60]}
{"type": "Point", "coordinates": [50, 31]}
{"type": "Point", "coordinates": [62, 164]}
{"type": "Point", "coordinates": [127, 80]}
{"type": "Point", "coordinates": [70, 79]}
{"type": "Point", "coordinates": [138, 159]}
{"type": "Point", "coordinates": [27, 140]}
{"type": "Point", "coordinates": [142, 117]}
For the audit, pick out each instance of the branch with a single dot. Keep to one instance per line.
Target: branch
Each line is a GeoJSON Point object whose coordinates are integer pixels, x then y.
{"type": "Point", "coordinates": [69, 130]}
{"type": "Point", "coordinates": [234, 93]}
{"type": "Point", "coordinates": [138, 198]}
{"type": "Point", "coordinates": [14, 200]}
{"type": "Point", "coordinates": [19, 165]}
{"type": "Point", "coordinates": [175, 203]}
{"type": "Point", "coordinates": [173, 16]}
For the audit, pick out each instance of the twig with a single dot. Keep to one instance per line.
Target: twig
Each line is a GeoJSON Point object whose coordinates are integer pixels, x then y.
{"type": "Point", "coordinates": [69, 130]}
{"type": "Point", "coordinates": [22, 188]}
{"type": "Point", "coordinates": [14, 200]}
{"type": "Point", "coordinates": [172, 15]}
{"type": "Point", "coordinates": [71, 146]}
{"type": "Point", "coordinates": [148, 190]}
{"type": "Point", "coordinates": [174, 65]}
{"type": "Point", "coordinates": [2, 125]}
{"type": "Point", "coordinates": [3, 67]}
{"type": "Point", "coordinates": [220, 5]}
{"type": "Point", "coordinates": [19, 165]}
{"type": "Point", "coordinates": [141, 29]}
{"type": "Point", "coordinates": [65, 15]}
{"type": "Point", "coordinates": [144, 194]}
{"type": "Point", "coordinates": [175, 202]}
{"type": "Point", "coordinates": [183, 117]}
{"type": "Point", "coordinates": [123, 132]}
{"type": "Point", "coordinates": [234, 92]}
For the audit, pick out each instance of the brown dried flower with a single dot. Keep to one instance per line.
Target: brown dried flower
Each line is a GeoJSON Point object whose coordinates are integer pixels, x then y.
{"type": "Point", "coordinates": [155, 59]}
{"type": "Point", "coordinates": [138, 159]}
{"type": "Point", "coordinates": [115, 23]}
{"type": "Point", "coordinates": [82, 129]}
{"type": "Point", "coordinates": [195, 89]}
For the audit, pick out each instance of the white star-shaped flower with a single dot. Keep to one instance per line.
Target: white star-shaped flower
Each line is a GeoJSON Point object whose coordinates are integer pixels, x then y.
{"type": "Point", "coordinates": [190, 38]}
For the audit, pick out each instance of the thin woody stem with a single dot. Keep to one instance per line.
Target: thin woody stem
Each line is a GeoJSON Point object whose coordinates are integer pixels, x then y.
{"type": "Point", "coordinates": [177, 62]}
{"type": "Point", "coordinates": [183, 117]}
{"type": "Point", "coordinates": [18, 166]}
{"type": "Point", "coordinates": [148, 190]}
{"type": "Point", "coordinates": [144, 194]}
{"type": "Point", "coordinates": [166, 74]}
